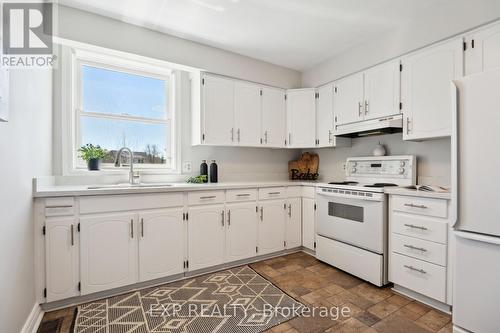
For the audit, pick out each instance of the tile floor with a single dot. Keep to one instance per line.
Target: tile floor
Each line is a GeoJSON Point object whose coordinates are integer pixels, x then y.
{"type": "Point", "coordinates": [316, 284]}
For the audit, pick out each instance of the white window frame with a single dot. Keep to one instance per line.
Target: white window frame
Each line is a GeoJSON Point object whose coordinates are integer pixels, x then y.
{"type": "Point", "coordinates": [127, 64]}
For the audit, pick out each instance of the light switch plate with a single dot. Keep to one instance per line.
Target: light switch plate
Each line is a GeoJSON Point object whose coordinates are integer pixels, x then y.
{"type": "Point", "coordinates": [187, 167]}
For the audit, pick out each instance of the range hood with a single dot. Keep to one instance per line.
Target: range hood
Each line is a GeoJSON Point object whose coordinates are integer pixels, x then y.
{"type": "Point", "coordinates": [386, 125]}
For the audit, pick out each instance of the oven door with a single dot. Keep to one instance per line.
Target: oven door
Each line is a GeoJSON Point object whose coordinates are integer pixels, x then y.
{"type": "Point", "coordinates": [358, 222]}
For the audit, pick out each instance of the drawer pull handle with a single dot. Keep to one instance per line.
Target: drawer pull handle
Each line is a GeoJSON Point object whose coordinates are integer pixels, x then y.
{"type": "Point", "coordinates": [243, 195]}
{"type": "Point", "coordinates": [415, 248]}
{"type": "Point", "coordinates": [416, 269]}
{"type": "Point", "coordinates": [416, 226]}
{"type": "Point", "coordinates": [60, 206]}
{"type": "Point", "coordinates": [274, 193]}
{"type": "Point", "coordinates": [208, 197]}
{"type": "Point", "coordinates": [415, 206]}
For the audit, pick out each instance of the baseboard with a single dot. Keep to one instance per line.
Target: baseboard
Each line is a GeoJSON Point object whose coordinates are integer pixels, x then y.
{"type": "Point", "coordinates": [33, 320]}
{"type": "Point", "coordinates": [446, 308]}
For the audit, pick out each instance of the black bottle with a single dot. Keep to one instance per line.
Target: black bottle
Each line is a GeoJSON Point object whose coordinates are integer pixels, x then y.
{"type": "Point", "coordinates": [213, 172]}
{"type": "Point", "coordinates": [204, 170]}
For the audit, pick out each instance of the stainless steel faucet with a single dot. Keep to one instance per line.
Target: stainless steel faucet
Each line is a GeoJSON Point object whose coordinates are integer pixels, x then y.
{"type": "Point", "coordinates": [134, 177]}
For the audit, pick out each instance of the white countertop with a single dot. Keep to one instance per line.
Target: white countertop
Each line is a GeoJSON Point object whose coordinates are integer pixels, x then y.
{"type": "Point", "coordinates": [84, 190]}
{"type": "Point", "coordinates": [416, 193]}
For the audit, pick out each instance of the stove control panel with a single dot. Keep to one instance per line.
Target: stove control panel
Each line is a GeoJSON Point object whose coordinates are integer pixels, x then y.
{"type": "Point", "coordinates": [396, 169]}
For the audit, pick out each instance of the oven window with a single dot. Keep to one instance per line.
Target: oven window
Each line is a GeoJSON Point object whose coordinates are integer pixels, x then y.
{"type": "Point", "coordinates": [350, 212]}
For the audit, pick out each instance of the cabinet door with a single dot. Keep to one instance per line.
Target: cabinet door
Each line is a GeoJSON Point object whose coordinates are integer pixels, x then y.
{"type": "Point", "coordinates": [482, 50]}
{"type": "Point", "coordinates": [308, 223]}
{"type": "Point", "coordinates": [206, 230]}
{"type": "Point", "coordinates": [426, 90]}
{"type": "Point", "coordinates": [218, 110]}
{"type": "Point", "coordinates": [382, 87]}
{"type": "Point", "coordinates": [324, 116]}
{"type": "Point", "coordinates": [273, 117]}
{"type": "Point", "coordinates": [161, 244]}
{"type": "Point", "coordinates": [61, 258]}
{"type": "Point", "coordinates": [301, 118]}
{"type": "Point", "coordinates": [247, 114]}
{"type": "Point", "coordinates": [294, 223]}
{"type": "Point", "coordinates": [348, 99]}
{"type": "Point", "coordinates": [241, 231]}
{"type": "Point", "coordinates": [108, 251]}
{"type": "Point", "coordinates": [272, 226]}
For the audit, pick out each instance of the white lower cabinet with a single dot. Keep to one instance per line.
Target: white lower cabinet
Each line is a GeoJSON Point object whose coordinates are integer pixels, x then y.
{"type": "Point", "coordinates": [108, 251]}
{"type": "Point", "coordinates": [308, 224]}
{"type": "Point", "coordinates": [206, 236]}
{"type": "Point", "coordinates": [293, 227]}
{"type": "Point", "coordinates": [161, 243]}
{"type": "Point", "coordinates": [271, 226]}
{"type": "Point", "coordinates": [241, 231]}
{"type": "Point", "coordinates": [61, 258]}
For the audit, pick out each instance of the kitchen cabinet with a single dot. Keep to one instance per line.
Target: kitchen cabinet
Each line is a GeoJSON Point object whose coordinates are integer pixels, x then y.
{"type": "Point", "coordinates": [308, 223]}
{"type": "Point", "coordinates": [271, 226]}
{"type": "Point", "coordinates": [293, 227]}
{"type": "Point", "coordinates": [161, 243]}
{"type": "Point", "coordinates": [425, 90]}
{"type": "Point", "coordinates": [368, 95]}
{"type": "Point", "coordinates": [301, 118]}
{"type": "Point", "coordinates": [217, 110]}
{"type": "Point", "coordinates": [247, 114]}
{"type": "Point", "coordinates": [241, 230]}
{"type": "Point", "coordinates": [206, 236]}
{"type": "Point", "coordinates": [482, 50]}
{"type": "Point", "coordinates": [61, 258]}
{"type": "Point", "coordinates": [273, 117]}
{"type": "Point", "coordinates": [108, 251]}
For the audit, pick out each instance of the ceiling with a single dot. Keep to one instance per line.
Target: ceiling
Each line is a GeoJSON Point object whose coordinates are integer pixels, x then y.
{"type": "Point", "coordinates": [297, 34]}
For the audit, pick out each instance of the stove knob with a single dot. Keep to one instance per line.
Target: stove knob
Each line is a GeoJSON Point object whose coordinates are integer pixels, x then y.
{"type": "Point", "coordinates": [401, 171]}
{"type": "Point", "coordinates": [402, 164]}
{"type": "Point", "coordinates": [353, 170]}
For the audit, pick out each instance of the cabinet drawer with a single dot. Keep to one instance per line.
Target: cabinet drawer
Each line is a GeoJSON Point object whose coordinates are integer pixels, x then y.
{"type": "Point", "coordinates": [420, 206]}
{"type": "Point", "coordinates": [420, 276]}
{"type": "Point", "coordinates": [420, 249]}
{"type": "Point", "coordinates": [117, 203]}
{"type": "Point", "coordinates": [420, 227]}
{"type": "Point", "coordinates": [205, 197]}
{"type": "Point", "coordinates": [293, 191]}
{"type": "Point", "coordinates": [249, 194]}
{"type": "Point", "coordinates": [272, 193]}
{"type": "Point", "coordinates": [308, 192]}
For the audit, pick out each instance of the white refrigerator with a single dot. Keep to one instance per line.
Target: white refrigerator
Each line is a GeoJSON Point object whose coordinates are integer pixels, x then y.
{"type": "Point", "coordinates": [476, 192]}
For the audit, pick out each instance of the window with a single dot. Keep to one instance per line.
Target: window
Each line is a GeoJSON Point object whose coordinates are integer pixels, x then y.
{"type": "Point", "coordinates": [122, 103]}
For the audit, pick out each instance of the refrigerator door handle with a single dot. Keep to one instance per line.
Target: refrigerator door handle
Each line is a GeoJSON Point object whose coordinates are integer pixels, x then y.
{"type": "Point", "coordinates": [454, 154]}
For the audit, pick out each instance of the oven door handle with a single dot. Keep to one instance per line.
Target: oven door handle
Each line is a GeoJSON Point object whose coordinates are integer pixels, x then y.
{"type": "Point", "coordinates": [375, 196]}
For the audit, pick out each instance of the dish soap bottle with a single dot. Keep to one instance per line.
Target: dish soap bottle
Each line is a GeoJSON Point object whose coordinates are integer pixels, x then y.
{"type": "Point", "coordinates": [213, 172]}
{"type": "Point", "coordinates": [204, 170]}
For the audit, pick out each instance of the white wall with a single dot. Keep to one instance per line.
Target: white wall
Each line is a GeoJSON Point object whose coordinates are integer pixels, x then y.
{"type": "Point", "coordinates": [25, 147]}
{"type": "Point", "coordinates": [98, 30]}
{"type": "Point", "coordinates": [446, 19]}
{"type": "Point", "coordinates": [433, 157]}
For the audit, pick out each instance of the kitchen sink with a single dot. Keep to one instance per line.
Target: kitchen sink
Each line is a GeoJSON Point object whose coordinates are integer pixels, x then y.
{"type": "Point", "coordinates": [127, 185]}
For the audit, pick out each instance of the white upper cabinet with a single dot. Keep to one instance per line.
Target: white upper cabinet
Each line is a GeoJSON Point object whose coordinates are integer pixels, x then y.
{"type": "Point", "coordinates": [348, 101]}
{"type": "Point", "coordinates": [247, 114]}
{"type": "Point", "coordinates": [482, 50]}
{"type": "Point", "coordinates": [273, 117]}
{"type": "Point", "coordinates": [382, 87]}
{"type": "Point", "coordinates": [426, 90]}
{"type": "Point", "coordinates": [217, 111]}
{"type": "Point", "coordinates": [161, 244]}
{"type": "Point", "coordinates": [324, 116]}
{"type": "Point", "coordinates": [301, 118]}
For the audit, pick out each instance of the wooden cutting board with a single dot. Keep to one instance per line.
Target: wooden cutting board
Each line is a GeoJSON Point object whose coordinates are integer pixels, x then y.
{"type": "Point", "coordinates": [305, 168]}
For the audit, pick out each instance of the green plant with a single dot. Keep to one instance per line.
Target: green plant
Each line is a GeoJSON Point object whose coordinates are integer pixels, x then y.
{"type": "Point", "coordinates": [197, 180]}
{"type": "Point", "coordinates": [90, 152]}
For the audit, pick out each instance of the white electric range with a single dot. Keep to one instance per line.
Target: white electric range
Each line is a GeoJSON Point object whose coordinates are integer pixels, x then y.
{"type": "Point", "coordinates": [352, 215]}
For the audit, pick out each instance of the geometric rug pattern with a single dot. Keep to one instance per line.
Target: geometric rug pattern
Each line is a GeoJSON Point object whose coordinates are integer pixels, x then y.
{"type": "Point", "coordinates": [231, 301]}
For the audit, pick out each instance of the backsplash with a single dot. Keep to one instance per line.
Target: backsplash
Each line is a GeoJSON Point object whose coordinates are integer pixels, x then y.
{"type": "Point", "coordinates": [433, 157]}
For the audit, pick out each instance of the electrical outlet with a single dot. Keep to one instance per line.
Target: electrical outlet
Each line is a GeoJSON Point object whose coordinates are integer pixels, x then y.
{"type": "Point", "coordinates": [187, 167]}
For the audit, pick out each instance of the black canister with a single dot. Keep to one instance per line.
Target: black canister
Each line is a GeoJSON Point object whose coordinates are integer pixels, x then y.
{"type": "Point", "coordinates": [213, 172]}
{"type": "Point", "coordinates": [204, 170]}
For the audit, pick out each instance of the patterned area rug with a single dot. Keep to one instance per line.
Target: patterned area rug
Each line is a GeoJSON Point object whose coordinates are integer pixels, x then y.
{"type": "Point", "coordinates": [231, 301]}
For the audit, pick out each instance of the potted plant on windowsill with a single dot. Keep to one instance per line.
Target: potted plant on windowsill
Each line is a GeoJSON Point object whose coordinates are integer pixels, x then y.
{"type": "Point", "coordinates": [92, 155]}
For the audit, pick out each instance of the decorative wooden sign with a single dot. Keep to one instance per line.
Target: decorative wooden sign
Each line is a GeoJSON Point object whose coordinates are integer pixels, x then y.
{"type": "Point", "coordinates": [305, 168]}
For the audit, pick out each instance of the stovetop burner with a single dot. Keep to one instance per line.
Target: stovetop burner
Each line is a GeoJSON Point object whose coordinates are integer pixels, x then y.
{"type": "Point", "coordinates": [381, 185]}
{"type": "Point", "coordinates": [343, 183]}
